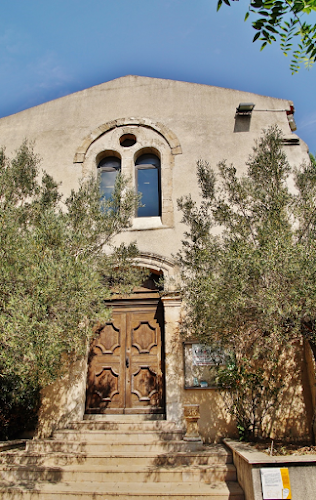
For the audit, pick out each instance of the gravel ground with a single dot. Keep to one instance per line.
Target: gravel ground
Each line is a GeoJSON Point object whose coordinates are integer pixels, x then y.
{"type": "Point", "coordinates": [275, 448]}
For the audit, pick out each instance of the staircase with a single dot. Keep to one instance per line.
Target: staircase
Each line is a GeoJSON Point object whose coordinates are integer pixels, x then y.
{"type": "Point", "coordinates": [121, 458]}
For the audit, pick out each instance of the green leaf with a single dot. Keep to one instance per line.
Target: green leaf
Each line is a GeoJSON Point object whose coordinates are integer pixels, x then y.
{"type": "Point", "coordinates": [271, 28]}
{"type": "Point", "coordinates": [298, 6]}
{"type": "Point", "coordinates": [219, 4]}
{"type": "Point", "coordinates": [266, 34]}
{"type": "Point", "coordinates": [310, 48]}
{"type": "Point", "coordinates": [257, 4]}
{"type": "Point", "coordinates": [274, 18]}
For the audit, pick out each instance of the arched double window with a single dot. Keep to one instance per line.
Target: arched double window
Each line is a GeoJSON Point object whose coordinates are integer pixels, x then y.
{"type": "Point", "coordinates": [108, 169]}
{"type": "Point", "coordinates": [148, 184]}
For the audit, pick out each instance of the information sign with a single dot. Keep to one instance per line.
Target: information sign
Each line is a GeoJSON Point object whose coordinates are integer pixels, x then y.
{"type": "Point", "coordinates": [205, 355]}
{"type": "Point", "coordinates": [275, 483]}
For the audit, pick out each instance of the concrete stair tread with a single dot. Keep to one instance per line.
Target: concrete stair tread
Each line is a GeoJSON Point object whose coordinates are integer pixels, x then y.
{"type": "Point", "coordinates": [112, 440]}
{"type": "Point", "coordinates": [126, 418]}
{"type": "Point", "coordinates": [114, 459]}
{"type": "Point", "coordinates": [127, 436]}
{"type": "Point", "coordinates": [141, 489]}
{"type": "Point", "coordinates": [157, 431]}
{"type": "Point", "coordinates": [98, 448]}
{"type": "Point", "coordinates": [117, 468]}
{"type": "Point", "coordinates": [124, 421]}
{"type": "Point", "coordinates": [37, 474]}
{"type": "Point", "coordinates": [207, 451]}
{"type": "Point", "coordinates": [159, 424]}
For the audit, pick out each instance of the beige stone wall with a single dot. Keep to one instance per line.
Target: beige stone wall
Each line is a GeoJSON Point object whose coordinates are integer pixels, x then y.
{"type": "Point", "coordinates": [293, 418]}
{"type": "Point", "coordinates": [63, 401]}
{"type": "Point", "coordinates": [311, 374]}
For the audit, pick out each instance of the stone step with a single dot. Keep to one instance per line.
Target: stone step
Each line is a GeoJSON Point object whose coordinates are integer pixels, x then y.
{"type": "Point", "coordinates": [126, 436]}
{"type": "Point", "coordinates": [10, 445]}
{"type": "Point", "coordinates": [145, 417]}
{"type": "Point", "coordinates": [137, 417]}
{"type": "Point", "coordinates": [213, 454]}
{"type": "Point", "coordinates": [15, 475]}
{"type": "Point", "coordinates": [120, 425]}
{"type": "Point", "coordinates": [158, 446]}
{"type": "Point", "coordinates": [121, 490]}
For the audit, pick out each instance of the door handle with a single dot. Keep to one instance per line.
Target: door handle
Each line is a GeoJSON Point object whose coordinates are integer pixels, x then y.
{"type": "Point", "coordinates": [127, 362]}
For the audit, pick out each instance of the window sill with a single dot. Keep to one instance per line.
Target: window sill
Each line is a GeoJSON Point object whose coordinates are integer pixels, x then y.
{"type": "Point", "coordinates": [196, 388]}
{"type": "Point", "coordinates": [143, 223]}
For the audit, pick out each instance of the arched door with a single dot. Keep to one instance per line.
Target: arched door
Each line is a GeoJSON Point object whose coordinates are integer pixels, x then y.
{"type": "Point", "coordinates": [125, 373]}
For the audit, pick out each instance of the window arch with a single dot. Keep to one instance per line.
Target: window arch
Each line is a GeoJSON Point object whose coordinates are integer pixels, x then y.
{"type": "Point", "coordinates": [108, 168]}
{"type": "Point", "coordinates": [148, 139]}
{"type": "Point", "coordinates": [148, 184]}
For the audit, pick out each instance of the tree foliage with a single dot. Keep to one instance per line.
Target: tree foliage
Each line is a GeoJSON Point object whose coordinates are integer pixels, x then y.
{"type": "Point", "coordinates": [249, 268]}
{"type": "Point", "coordinates": [285, 20]}
{"type": "Point", "coordinates": [57, 265]}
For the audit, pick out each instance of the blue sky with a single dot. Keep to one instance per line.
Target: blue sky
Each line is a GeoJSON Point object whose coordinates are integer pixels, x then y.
{"type": "Point", "coordinates": [51, 48]}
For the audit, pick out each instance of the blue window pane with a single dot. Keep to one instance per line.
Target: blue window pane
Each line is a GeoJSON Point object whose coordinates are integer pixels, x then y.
{"type": "Point", "coordinates": [147, 185]}
{"type": "Point", "coordinates": [108, 169]}
{"type": "Point", "coordinates": [107, 182]}
{"type": "Point", "coordinates": [148, 159]}
{"type": "Point", "coordinates": [110, 162]}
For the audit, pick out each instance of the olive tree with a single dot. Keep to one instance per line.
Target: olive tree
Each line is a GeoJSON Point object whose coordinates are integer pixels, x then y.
{"type": "Point", "coordinates": [57, 265]}
{"type": "Point", "coordinates": [248, 264]}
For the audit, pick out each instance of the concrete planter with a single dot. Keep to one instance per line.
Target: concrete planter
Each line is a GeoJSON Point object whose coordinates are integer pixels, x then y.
{"type": "Point", "coordinates": [248, 462]}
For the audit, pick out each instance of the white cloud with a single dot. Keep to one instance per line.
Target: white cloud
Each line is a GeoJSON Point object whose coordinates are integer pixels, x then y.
{"type": "Point", "coordinates": [13, 43]}
{"type": "Point", "coordinates": [49, 73]}
{"type": "Point", "coordinates": [307, 122]}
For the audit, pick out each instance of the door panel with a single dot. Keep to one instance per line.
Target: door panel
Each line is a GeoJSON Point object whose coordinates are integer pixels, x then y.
{"type": "Point", "coordinates": [106, 371]}
{"type": "Point", "coordinates": [125, 363]}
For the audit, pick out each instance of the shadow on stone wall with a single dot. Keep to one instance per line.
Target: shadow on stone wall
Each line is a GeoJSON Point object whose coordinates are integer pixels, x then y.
{"type": "Point", "coordinates": [242, 123]}
{"type": "Point", "coordinates": [63, 401]}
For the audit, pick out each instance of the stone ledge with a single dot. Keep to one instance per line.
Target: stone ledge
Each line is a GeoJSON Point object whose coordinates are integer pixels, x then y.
{"type": "Point", "coordinates": [10, 445]}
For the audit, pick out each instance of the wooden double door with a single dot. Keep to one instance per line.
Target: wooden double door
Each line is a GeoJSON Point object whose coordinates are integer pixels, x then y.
{"type": "Point", "coordinates": [125, 373]}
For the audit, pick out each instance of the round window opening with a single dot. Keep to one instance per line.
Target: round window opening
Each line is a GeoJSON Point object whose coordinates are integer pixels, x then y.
{"type": "Point", "coordinates": [127, 140]}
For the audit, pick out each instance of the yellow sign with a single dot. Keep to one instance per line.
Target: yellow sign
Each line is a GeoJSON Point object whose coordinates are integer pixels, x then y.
{"type": "Point", "coordinates": [286, 481]}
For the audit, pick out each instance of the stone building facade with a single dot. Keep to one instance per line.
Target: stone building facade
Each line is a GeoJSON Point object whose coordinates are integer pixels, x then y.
{"type": "Point", "coordinates": [156, 130]}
